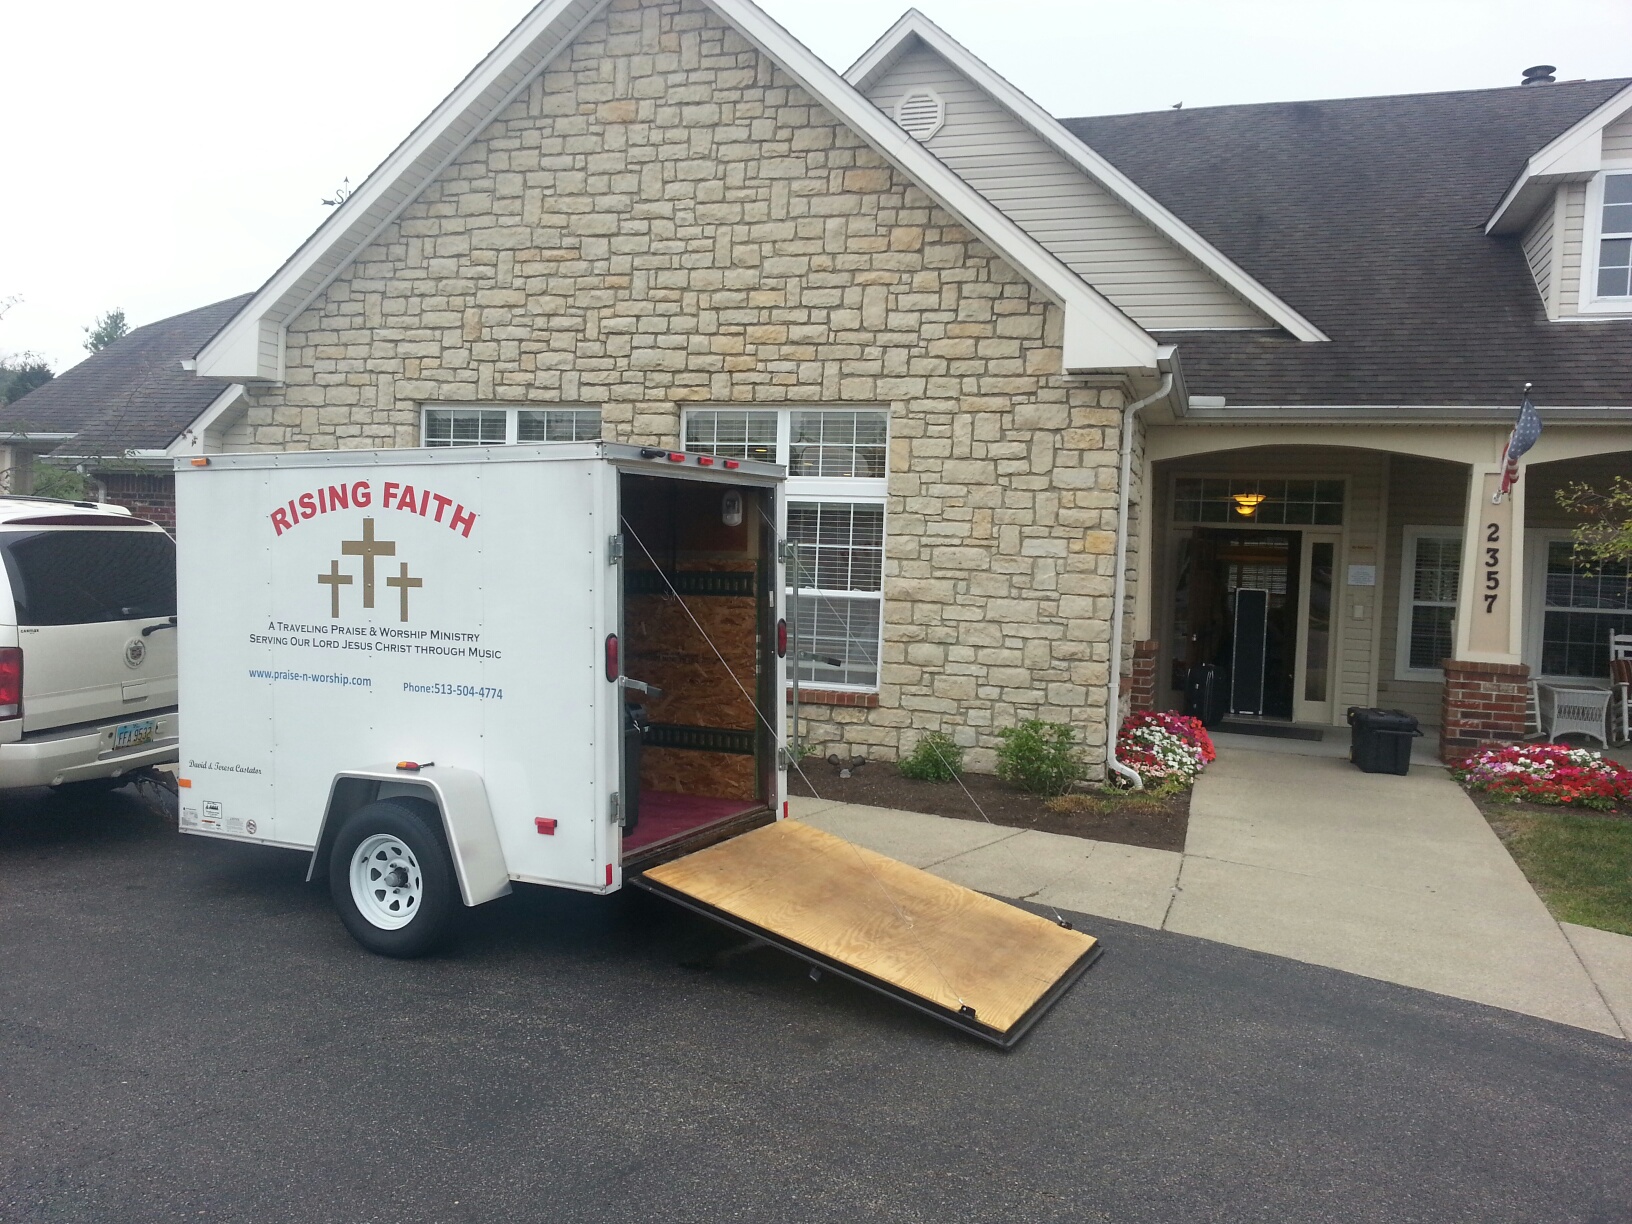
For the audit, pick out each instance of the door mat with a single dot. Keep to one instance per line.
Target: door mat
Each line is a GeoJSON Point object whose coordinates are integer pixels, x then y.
{"type": "Point", "coordinates": [1272, 731]}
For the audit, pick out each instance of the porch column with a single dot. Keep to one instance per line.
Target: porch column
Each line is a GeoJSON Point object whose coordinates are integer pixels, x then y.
{"type": "Point", "coordinates": [1486, 681]}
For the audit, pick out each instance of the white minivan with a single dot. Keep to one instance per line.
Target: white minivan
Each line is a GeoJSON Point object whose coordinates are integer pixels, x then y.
{"type": "Point", "coordinates": [87, 644]}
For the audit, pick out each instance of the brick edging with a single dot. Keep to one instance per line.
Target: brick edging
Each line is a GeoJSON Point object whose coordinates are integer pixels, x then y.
{"type": "Point", "coordinates": [831, 697]}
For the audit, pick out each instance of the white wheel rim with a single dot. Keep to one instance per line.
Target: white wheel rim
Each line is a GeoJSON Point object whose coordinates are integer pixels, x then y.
{"type": "Point", "coordinates": [386, 883]}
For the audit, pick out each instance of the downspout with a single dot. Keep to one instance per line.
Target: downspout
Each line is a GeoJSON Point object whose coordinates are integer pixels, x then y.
{"type": "Point", "coordinates": [1121, 587]}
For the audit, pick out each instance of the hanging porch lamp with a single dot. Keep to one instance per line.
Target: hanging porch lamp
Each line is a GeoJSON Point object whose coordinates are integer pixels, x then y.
{"type": "Point", "coordinates": [1246, 504]}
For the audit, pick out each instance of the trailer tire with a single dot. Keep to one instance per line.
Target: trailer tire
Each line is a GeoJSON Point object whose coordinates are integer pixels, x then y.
{"type": "Point", "coordinates": [391, 878]}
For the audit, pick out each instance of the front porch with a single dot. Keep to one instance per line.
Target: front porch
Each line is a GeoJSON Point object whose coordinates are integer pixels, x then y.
{"type": "Point", "coordinates": [1311, 569]}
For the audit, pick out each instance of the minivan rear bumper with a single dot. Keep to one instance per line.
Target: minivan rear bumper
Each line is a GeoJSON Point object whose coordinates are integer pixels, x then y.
{"type": "Point", "coordinates": [84, 753]}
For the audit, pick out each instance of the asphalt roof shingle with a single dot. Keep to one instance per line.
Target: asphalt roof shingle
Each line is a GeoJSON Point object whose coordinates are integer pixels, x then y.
{"type": "Point", "coordinates": [133, 395]}
{"type": "Point", "coordinates": [1367, 216]}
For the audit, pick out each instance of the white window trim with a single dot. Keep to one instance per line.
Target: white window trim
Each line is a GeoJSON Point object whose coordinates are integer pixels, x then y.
{"type": "Point", "coordinates": [1588, 301]}
{"type": "Point", "coordinates": [1407, 583]}
{"type": "Point", "coordinates": [843, 489]}
{"type": "Point", "coordinates": [511, 416]}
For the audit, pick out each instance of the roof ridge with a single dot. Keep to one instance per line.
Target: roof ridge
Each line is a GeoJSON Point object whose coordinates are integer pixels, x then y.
{"type": "Point", "coordinates": [1433, 93]}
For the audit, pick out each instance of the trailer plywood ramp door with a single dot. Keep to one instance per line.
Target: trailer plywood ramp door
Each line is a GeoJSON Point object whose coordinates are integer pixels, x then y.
{"type": "Point", "coordinates": [985, 966]}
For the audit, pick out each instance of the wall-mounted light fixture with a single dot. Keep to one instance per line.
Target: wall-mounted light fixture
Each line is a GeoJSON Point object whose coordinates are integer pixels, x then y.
{"type": "Point", "coordinates": [1246, 504]}
{"type": "Point", "coordinates": [731, 508]}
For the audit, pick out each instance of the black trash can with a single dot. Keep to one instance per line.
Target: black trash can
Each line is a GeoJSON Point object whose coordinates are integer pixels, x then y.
{"type": "Point", "coordinates": [1381, 739]}
{"type": "Point", "coordinates": [634, 734]}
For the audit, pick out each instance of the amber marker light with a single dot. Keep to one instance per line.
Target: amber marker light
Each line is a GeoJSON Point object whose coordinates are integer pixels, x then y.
{"type": "Point", "coordinates": [200, 461]}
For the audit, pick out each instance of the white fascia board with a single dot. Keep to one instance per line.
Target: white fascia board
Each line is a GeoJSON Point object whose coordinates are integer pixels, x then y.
{"type": "Point", "coordinates": [190, 441]}
{"type": "Point", "coordinates": [1576, 153]}
{"type": "Point", "coordinates": [234, 351]}
{"type": "Point", "coordinates": [1098, 336]}
{"type": "Point", "coordinates": [914, 25]}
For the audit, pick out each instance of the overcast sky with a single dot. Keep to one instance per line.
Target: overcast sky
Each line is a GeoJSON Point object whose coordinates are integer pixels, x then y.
{"type": "Point", "coordinates": [168, 154]}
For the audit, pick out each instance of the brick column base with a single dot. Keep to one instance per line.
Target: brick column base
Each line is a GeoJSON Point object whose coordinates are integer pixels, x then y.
{"type": "Point", "coordinates": [1484, 703]}
{"type": "Point", "coordinates": [1142, 681]}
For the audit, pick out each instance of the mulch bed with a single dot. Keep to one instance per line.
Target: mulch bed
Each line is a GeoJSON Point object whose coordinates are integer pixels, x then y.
{"type": "Point", "coordinates": [1131, 820]}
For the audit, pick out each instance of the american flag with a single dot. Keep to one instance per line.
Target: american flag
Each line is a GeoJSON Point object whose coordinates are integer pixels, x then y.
{"type": "Point", "coordinates": [1525, 432]}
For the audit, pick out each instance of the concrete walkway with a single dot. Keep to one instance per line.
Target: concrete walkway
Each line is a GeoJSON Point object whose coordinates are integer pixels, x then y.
{"type": "Point", "coordinates": [1305, 857]}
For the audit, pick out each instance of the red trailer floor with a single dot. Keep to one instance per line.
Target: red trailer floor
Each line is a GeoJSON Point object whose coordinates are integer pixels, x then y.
{"type": "Point", "coordinates": [664, 815]}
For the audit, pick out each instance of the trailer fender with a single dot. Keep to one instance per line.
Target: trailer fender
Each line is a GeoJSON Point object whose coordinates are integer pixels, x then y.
{"type": "Point", "coordinates": [460, 798]}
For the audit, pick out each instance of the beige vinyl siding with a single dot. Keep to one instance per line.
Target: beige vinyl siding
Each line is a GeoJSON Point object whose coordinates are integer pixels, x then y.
{"type": "Point", "coordinates": [1570, 238]}
{"type": "Point", "coordinates": [1421, 493]}
{"type": "Point", "coordinates": [1538, 253]}
{"type": "Point", "coordinates": [1365, 474]}
{"type": "Point", "coordinates": [1157, 284]}
{"type": "Point", "coordinates": [1618, 139]}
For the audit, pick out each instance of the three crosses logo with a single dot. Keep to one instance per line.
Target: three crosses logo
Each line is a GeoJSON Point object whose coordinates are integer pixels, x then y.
{"type": "Point", "coordinates": [368, 548]}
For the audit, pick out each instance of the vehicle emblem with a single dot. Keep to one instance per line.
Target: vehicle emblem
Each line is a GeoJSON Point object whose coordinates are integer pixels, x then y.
{"type": "Point", "coordinates": [135, 652]}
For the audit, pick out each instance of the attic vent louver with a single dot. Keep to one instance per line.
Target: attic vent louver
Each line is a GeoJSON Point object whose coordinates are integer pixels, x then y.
{"type": "Point", "coordinates": [921, 113]}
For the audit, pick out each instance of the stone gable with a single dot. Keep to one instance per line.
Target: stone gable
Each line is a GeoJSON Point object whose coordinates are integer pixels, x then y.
{"type": "Point", "coordinates": [665, 219]}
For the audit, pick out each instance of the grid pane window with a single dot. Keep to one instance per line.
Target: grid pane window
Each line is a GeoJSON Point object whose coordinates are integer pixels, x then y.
{"type": "Point", "coordinates": [838, 444]}
{"type": "Point", "coordinates": [837, 461]}
{"type": "Point", "coordinates": [733, 433]}
{"type": "Point", "coordinates": [466, 426]}
{"type": "Point", "coordinates": [1615, 238]}
{"type": "Point", "coordinates": [1582, 609]}
{"type": "Point", "coordinates": [838, 640]}
{"type": "Point", "coordinates": [839, 553]}
{"type": "Point", "coordinates": [1436, 562]}
{"type": "Point", "coordinates": [558, 425]}
{"type": "Point", "coordinates": [1244, 500]}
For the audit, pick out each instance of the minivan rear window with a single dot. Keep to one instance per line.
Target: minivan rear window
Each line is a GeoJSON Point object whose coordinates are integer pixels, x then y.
{"type": "Point", "coordinates": [78, 577]}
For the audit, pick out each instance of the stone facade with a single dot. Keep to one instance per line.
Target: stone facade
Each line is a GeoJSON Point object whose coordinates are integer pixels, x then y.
{"type": "Point", "coordinates": [665, 219]}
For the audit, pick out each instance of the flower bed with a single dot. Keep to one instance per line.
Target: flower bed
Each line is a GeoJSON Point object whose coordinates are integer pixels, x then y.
{"type": "Point", "coordinates": [1546, 773]}
{"type": "Point", "coordinates": [1166, 749]}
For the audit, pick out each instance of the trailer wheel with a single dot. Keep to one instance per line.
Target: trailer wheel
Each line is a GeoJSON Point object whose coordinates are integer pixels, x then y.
{"type": "Point", "coordinates": [391, 878]}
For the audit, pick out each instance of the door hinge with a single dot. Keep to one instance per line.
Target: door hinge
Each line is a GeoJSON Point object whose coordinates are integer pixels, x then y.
{"type": "Point", "coordinates": [785, 550]}
{"type": "Point", "coordinates": [614, 809]}
{"type": "Point", "coordinates": [614, 549]}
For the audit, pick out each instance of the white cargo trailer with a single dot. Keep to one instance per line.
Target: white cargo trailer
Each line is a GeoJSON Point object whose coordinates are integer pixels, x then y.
{"type": "Point", "coordinates": [445, 670]}
{"type": "Point", "coordinates": [379, 642]}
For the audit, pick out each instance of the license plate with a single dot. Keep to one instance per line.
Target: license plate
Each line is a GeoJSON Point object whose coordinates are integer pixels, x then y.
{"type": "Point", "coordinates": [128, 735]}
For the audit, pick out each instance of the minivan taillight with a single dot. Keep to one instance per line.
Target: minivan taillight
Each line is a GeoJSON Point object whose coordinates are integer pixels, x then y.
{"type": "Point", "coordinates": [11, 682]}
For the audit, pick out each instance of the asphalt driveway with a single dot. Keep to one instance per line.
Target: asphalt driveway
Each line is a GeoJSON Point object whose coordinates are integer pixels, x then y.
{"type": "Point", "coordinates": [186, 1032]}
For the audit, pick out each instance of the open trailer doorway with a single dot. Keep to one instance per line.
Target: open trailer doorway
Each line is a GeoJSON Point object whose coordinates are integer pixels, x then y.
{"type": "Point", "coordinates": [700, 635]}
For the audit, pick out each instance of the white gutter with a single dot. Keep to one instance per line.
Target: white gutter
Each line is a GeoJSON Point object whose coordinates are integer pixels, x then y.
{"type": "Point", "coordinates": [1121, 588]}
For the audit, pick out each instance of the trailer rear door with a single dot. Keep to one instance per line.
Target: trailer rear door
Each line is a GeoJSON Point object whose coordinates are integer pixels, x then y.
{"type": "Point", "coordinates": [983, 965]}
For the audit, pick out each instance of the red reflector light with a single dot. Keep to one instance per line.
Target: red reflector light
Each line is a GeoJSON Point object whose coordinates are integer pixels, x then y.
{"type": "Point", "coordinates": [731, 463]}
{"type": "Point", "coordinates": [705, 460]}
{"type": "Point", "coordinates": [609, 874]}
{"type": "Point", "coordinates": [612, 672]}
{"type": "Point", "coordinates": [781, 639]}
{"type": "Point", "coordinates": [784, 809]}
{"type": "Point", "coordinates": [11, 682]}
{"type": "Point", "coordinates": [545, 824]}
{"type": "Point", "coordinates": [677, 456]}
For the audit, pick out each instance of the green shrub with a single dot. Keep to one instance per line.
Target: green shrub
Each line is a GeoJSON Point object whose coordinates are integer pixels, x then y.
{"type": "Point", "coordinates": [1040, 757]}
{"type": "Point", "coordinates": [935, 759]}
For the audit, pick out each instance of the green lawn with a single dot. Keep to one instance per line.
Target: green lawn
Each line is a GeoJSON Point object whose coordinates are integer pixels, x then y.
{"type": "Point", "coordinates": [1581, 865]}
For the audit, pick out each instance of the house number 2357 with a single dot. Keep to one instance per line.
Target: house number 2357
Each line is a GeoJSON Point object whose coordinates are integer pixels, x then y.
{"type": "Point", "coordinates": [1493, 564]}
